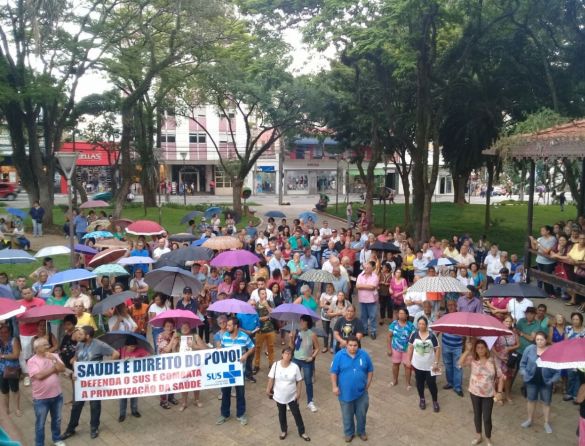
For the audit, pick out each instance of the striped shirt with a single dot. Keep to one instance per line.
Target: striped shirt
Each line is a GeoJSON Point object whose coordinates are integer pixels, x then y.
{"type": "Point", "coordinates": [242, 339]}
{"type": "Point", "coordinates": [452, 341]}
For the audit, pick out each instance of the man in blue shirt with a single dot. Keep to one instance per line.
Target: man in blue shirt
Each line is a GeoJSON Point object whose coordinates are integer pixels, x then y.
{"type": "Point", "coordinates": [249, 324]}
{"type": "Point", "coordinates": [234, 336]}
{"type": "Point", "coordinates": [80, 225]}
{"type": "Point", "coordinates": [351, 375]}
{"type": "Point", "coordinates": [452, 348]}
{"type": "Point", "coordinates": [308, 260]}
{"type": "Point", "coordinates": [251, 230]}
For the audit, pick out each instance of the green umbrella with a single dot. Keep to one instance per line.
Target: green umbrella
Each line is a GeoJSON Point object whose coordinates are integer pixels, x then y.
{"type": "Point", "coordinates": [111, 269]}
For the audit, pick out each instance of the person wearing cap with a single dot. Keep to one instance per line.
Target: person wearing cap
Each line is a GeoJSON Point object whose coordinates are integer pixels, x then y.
{"type": "Point", "coordinates": [188, 302]}
{"type": "Point", "coordinates": [527, 328]}
{"type": "Point", "coordinates": [470, 303]}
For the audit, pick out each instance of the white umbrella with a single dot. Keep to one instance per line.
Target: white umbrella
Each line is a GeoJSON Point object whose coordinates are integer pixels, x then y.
{"type": "Point", "coordinates": [135, 260]}
{"type": "Point", "coordinates": [438, 284]}
{"type": "Point", "coordinates": [52, 251]}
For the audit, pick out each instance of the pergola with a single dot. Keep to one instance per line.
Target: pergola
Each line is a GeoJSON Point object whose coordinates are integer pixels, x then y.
{"type": "Point", "coordinates": [565, 141]}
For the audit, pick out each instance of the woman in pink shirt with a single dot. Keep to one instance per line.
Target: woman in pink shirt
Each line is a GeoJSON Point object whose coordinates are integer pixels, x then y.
{"type": "Point", "coordinates": [226, 286]}
{"type": "Point", "coordinates": [398, 286]}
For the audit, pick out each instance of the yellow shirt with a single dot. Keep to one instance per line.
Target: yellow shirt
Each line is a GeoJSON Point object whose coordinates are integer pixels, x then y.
{"type": "Point", "coordinates": [86, 319]}
{"type": "Point", "coordinates": [407, 263]}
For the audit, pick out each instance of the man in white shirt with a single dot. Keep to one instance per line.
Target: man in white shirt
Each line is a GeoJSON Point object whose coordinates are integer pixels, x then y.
{"type": "Point", "coordinates": [492, 256]}
{"type": "Point", "coordinates": [261, 285]}
{"type": "Point", "coordinates": [276, 262]}
{"type": "Point", "coordinates": [77, 296]}
{"type": "Point", "coordinates": [427, 252]}
{"type": "Point", "coordinates": [517, 307]}
{"type": "Point", "coordinates": [325, 231]}
{"type": "Point", "coordinates": [420, 265]}
{"type": "Point", "coordinates": [464, 258]}
{"type": "Point", "coordinates": [160, 249]}
{"type": "Point", "coordinates": [332, 263]}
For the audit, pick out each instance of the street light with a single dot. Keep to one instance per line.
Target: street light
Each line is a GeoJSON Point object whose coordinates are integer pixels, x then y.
{"type": "Point", "coordinates": [383, 191]}
{"type": "Point", "coordinates": [337, 158]}
{"type": "Point", "coordinates": [183, 157]}
{"type": "Point", "coordinates": [67, 160]}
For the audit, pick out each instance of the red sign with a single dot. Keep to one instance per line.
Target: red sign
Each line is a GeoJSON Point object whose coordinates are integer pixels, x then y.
{"type": "Point", "coordinates": [92, 154]}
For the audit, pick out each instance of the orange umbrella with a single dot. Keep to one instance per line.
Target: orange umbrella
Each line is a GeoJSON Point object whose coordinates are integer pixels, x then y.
{"type": "Point", "coordinates": [222, 242]}
{"type": "Point", "coordinates": [109, 255]}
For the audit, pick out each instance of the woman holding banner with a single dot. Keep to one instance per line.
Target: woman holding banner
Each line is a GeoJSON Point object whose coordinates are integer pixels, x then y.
{"type": "Point", "coordinates": [130, 350]}
{"type": "Point", "coordinates": [168, 343]}
{"type": "Point", "coordinates": [189, 342]}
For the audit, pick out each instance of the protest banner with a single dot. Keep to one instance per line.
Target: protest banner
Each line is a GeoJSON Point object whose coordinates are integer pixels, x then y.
{"type": "Point", "coordinates": [158, 375]}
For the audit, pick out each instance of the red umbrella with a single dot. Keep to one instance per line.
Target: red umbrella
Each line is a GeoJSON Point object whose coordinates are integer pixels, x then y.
{"type": "Point", "coordinates": [145, 227]}
{"type": "Point", "coordinates": [470, 324]}
{"type": "Point", "coordinates": [179, 317]}
{"type": "Point", "coordinates": [569, 354]}
{"type": "Point", "coordinates": [10, 308]}
{"type": "Point", "coordinates": [94, 204]}
{"type": "Point", "coordinates": [45, 313]}
{"type": "Point", "coordinates": [109, 255]}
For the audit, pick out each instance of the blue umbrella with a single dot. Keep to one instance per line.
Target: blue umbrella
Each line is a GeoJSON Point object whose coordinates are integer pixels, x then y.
{"type": "Point", "coordinates": [275, 214]}
{"type": "Point", "coordinates": [191, 216]}
{"type": "Point", "coordinates": [199, 242]}
{"type": "Point", "coordinates": [84, 249]}
{"type": "Point", "coordinates": [117, 340]}
{"type": "Point", "coordinates": [212, 210]}
{"type": "Point", "coordinates": [308, 215]}
{"type": "Point", "coordinates": [70, 275]}
{"type": "Point", "coordinates": [16, 212]}
{"type": "Point", "coordinates": [15, 256]}
{"type": "Point", "coordinates": [98, 234]}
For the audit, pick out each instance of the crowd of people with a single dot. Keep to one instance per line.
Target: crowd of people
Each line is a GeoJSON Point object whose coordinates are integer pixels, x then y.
{"type": "Point", "coordinates": [368, 292]}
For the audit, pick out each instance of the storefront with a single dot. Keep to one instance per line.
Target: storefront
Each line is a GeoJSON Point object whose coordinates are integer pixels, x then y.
{"type": "Point", "coordinates": [310, 177]}
{"type": "Point", "coordinates": [95, 166]}
{"type": "Point", "coordinates": [265, 180]}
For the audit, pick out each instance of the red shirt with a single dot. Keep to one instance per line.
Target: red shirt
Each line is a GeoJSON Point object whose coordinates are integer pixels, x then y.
{"type": "Point", "coordinates": [348, 252]}
{"type": "Point", "coordinates": [29, 329]}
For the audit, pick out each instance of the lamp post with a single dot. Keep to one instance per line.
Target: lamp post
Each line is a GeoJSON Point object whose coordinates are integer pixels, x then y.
{"type": "Point", "coordinates": [183, 157]}
{"type": "Point", "coordinates": [384, 188]}
{"type": "Point", "coordinates": [67, 160]}
{"type": "Point", "coordinates": [337, 158]}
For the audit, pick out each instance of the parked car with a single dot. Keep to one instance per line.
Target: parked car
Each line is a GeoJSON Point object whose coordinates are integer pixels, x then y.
{"type": "Point", "coordinates": [8, 191]}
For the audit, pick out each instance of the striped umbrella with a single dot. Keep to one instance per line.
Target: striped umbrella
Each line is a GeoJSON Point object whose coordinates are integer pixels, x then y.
{"type": "Point", "coordinates": [317, 275]}
{"type": "Point", "coordinates": [111, 269]}
{"type": "Point", "coordinates": [438, 284]}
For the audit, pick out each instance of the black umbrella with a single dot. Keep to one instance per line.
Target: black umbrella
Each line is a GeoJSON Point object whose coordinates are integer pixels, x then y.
{"type": "Point", "coordinates": [178, 257]}
{"type": "Point", "coordinates": [171, 281]}
{"type": "Point", "coordinates": [386, 247]}
{"type": "Point", "coordinates": [183, 237]}
{"type": "Point", "coordinates": [191, 216]}
{"type": "Point", "coordinates": [117, 340]}
{"type": "Point", "coordinates": [112, 301]}
{"type": "Point", "coordinates": [515, 290]}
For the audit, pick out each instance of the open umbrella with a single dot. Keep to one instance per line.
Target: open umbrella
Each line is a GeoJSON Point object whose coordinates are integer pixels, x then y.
{"type": "Point", "coordinates": [237, 257]}
{"type": "Point", "coordinates": [385, 247]}
{"type": "Point", "coordinates": [16, 212]}
{"type": "Point", "coordinates": [10, 308]}
{"type": "Point", "coordinates": [98, 234]}
{"type": "Point", "coordinates": [52, 251]}
{"type": "Point", "coordinates": [191, 216]}
{"type": "Point", "coordinates": [178, 257]}
{"type": "Point", "coordinates": [209, 212]}
{"type": "Point", "coordinates": [515, 290]}
{"type": "Point", "coordinates": [438, 284]}
{"type": "Point", "coordinates": [275, 214]}
{"type": "Point", "coordinates": [14, 256]}
{"type": "Point", "coordinates": [171, 280]}
{"type": "Point", "coordinates": [182, 237]}
{"type": "Point", "coordinates": [103, 224]}
{"type": "Point", "coordinates": [111, 243]}
{"type": "Point", "coordinates": [122, 222]}
{"type": "Point", "coordinates": [117, 340]}
{"type": "Point", "coordinates": [145, 227]}
{"type": "Point", "coordinates": [84, 249]}
{"type": "Point", "coordinates": [568, 354]}
{"type": "Point", "coordinates": [112, 301]}
{"type": "Point", "coordinates": [179, 317]}
{"type": "Point", "coordinates": [135, 260]}
{"type": "Point", "coordinates": [470, 324]}
{"type": "Point", "coordinates": [70, 275]}
{"type": "Point", "coordinates": [109, 255]}
{"type": "Point", "coordinates": [232, 306]}
{"type": "Point", "coordinates": [317, 275]}
{"type": "Point", "coordinates": [112, 269]}
{"type": "Point", "coordinates": [45, 313]}
{"type": "Point", "coordinates": [443, 261]}
{"type": "Point", "coordinates": [199, 241]}
{"type": "Point", "coordinates": [222, 242]}
{"type": "Point", "coordinates": [106, 196]}
{"type": "Point", "coordinates": [308, 215]}
{"type": "Point", "coordinates": [292, 313]}
{"type": "Point", "coordinates": [89, 204]}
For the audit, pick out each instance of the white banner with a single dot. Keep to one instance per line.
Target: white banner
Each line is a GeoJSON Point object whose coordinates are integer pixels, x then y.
{"type": "Point", "coordinates": [158, 375]}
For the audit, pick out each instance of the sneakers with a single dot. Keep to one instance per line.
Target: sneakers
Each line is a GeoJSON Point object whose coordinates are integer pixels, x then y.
{"type": "Point", "coordinates": [311, 406]}
{"type": "Point", "coordinates": [547, 428]}
{"type": "Point", "coordinates": [26, 381]}
{"type": "Point", "coordinates": [243, 420]}
{"type": "Point", "coordinates": [221, 420]}
{"type": "Point", "coordinates": [59, 443]}
{"type": "Point", "coordinates": [526, 424]}
{"type": "Point", "coordinates": [219, 396]}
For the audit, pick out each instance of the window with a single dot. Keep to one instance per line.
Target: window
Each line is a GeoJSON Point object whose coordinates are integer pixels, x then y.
{"type": "Point", "coordinates": [224, 138]}
{"type": "Point", "coordinates": [300, 152]}
{"type": "Point", "coordinates": [197, 138]}
{"type": "Point", "coordinates": [168, 137]}
{"type": "Point", "coordinates": [221, 179]}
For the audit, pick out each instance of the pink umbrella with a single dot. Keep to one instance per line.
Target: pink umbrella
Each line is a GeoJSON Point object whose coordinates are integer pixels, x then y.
{"type": "Point", "coordinates": [94, 204]}
{"type": "Point", "coordinates": [10, 308]}
{"type": "Point", "coordinates": [470, 324]}
{"type": "Point", "coordinates": [109, 255]}
{"type": "Point", "coordinates": [232, 306]}
{"type": "Point", "coordinates": [45, 313]}
{"type": "Point", "coordinates": [237, 257]}
{"type": "Point", "coordinates": [569, 354]}
{"type": "Point", "coordinates": [145, 227]}
{"type": "Point", "coordinates": [179, 317]}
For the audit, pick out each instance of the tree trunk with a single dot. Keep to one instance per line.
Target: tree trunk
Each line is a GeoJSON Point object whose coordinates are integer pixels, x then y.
{"type": "Point", "coordinates": [369, 200]}
{"type": "Point", "coordinates": [488, 195]}
{"type": "Point", "coordinates": [459, 184]}
{"type": "Point", "coordinates": [237, 188]}
{"type": "Point", "coordinates": [418, 197]}
{"type": "Point", "coordinates": [406, 187]}
{"type": "Point", "coordinates": [80, 190]}
{"type": "Point", "coordinates": [126, 167]}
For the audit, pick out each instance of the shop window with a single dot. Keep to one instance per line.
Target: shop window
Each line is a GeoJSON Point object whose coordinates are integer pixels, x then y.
{"type": "Point", "coordinates": [296, 180]}
{"type": "Point", "coordinates": [168, 137]}
{"type": "Point", "coordinates": [221, 178]}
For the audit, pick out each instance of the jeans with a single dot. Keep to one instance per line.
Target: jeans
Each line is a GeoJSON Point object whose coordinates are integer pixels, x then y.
{"type": "Point", "coordinates": [422, 377]}
{"type": "Point", "coordinates": [354, 410]}
{"type": "Point", "coordinates": [226, 401]}
{"type": "Point", "coordinates": [95, 410]}
{"type": "Point", "coordinates": [260, 339]}
{"type": "Point", "coordinates": [42, 409]}
{"type": "Point", "coordinates": [368, 317]}
{"type": "Point", "coordinates": [328, 333]}
{"type": "Point", "coordinates": [248, 366]}
{"type": "Point", "coordinates": [296, 413]}
{"type": "Point", "coordinates": [124, 404]}
{"type": "Point", "coordinates": [37, 228]}
{"type": "Point", "coordinates": [308, 369]}
{"type": "Point", "coordinates": [573, 383]}
{"type": "Point", "coordinates": [482, 408]}
{"type": "Point", "coordinates": [385, 307]}
{"type": "Point", "coordinates": [156, 331]}
{"type": "Point", "coordinates": [453, 373]}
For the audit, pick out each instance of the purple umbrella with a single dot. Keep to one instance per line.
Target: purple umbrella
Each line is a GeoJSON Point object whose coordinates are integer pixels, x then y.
{"type": "Point", "coordinates": [84, 249]}
{"type": "Point", "coordinates": [237, 257]}
{"type": "Point", "coordinates": [232, 306]}
{"type": "Point", "coordinates": [292, 312]}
